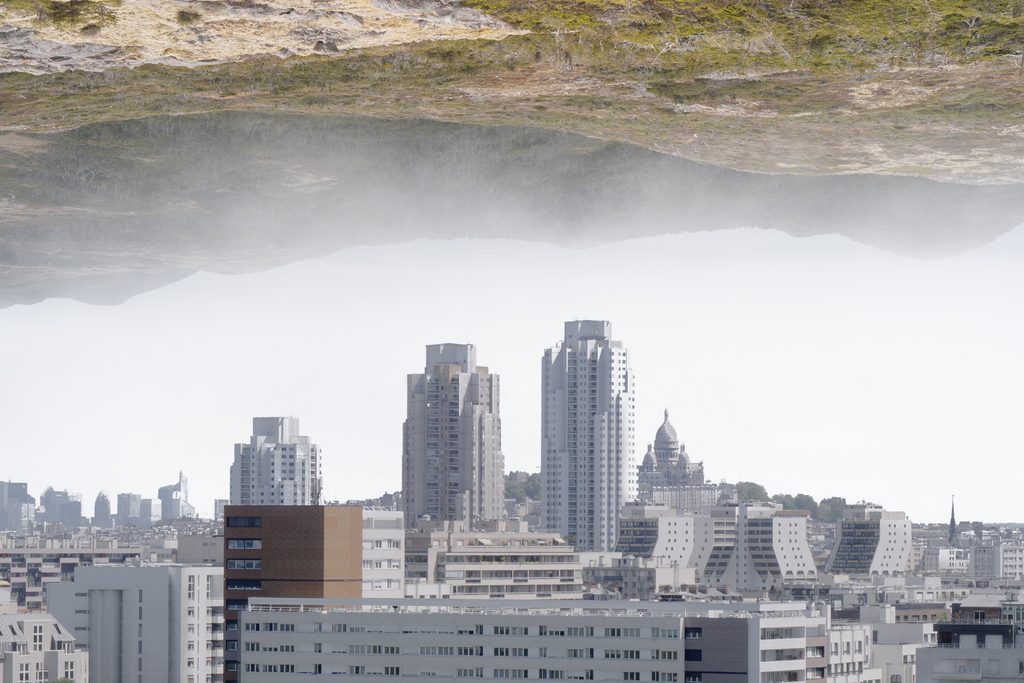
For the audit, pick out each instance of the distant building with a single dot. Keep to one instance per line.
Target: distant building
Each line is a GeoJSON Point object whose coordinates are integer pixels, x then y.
{"type": "Point", "coordinates": [997, 561]}
{"type": "Point", "coordinates": [101, 516]}
{"type": "Point", "coordinates": [452, 464]}
{"type": "Point", "coordinates": [278, 466]}
{"type": "Point", "coordinates": [61, 507]}
{"type": "Point", "coordinates": [150, 512]}
{"type": "Point", "coordinates": [946, 561]}
{"type": "Point", "coordinates": [36, 647]}
{"type": "Point", "coordinates": [871, 541]}
{"type": "Point", "coordinates": [174, 500]}
{"type": "Point", "coordinates": [588, 471]}
{"type": "Point", "coordinates": [660, 534]}
{"type": "Point", "coordinates": [156, 624]}
{"type": "Point", "coordinates": [699, 498]}
{"type": "Point", "coordinates": [975, 652]}
{"type": "Point", "coordinates": [218, 508]}
{"type": "Point", "coordinates": [17, 508]}
{"type": "Point", "coordinates": [504, 561]}
{"type": "Point", "coordinates": [667, 464]}
{"type": "Point", "coordinates": [287, 551]}
{"type": "Point", "coordinates": [129, 509]}
{"type": "Point", "coordinates": [30, 570]}
{"type": "Point", "coordinates": [198, 548]}
{"type": "Point", "coordinates": [766, 549]}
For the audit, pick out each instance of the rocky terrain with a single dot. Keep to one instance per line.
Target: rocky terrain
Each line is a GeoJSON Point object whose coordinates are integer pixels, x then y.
{"type": "Point", "coordinates": [136, 32]}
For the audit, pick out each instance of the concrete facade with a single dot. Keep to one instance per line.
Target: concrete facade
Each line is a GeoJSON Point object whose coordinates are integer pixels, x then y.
{"type": "Point", "coordinates": [288, 551]}
{"type": "Point", "coordinates": [588, 465]}
{"type": "Point", "coordinates": [452, 464]}
{"type": "Point", "coordinates": [383, 553]}
{"type": "Point", "coordinates": [504, 562]}
{"type": "Point", "coordinates": [155, 624]}
{"type": "Point", "coordinates": [278, 466]}
{"type": "Point", "coordinates": [575, 640]}
{"type": "Point", "coordinates": [872, 541]}
{"type": "Point", "coordinates": [767, 549]}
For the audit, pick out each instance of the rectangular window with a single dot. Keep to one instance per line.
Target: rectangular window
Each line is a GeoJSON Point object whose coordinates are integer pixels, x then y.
{"type": "Point", "coordinates": [693, 633]}
{"type": "Point", "coordinates": [244, 521]}
{"type": "Point", "coordinates": [694, 655]}
{"type": "Point", "coordinates": [245, 544]}
{"type": "Point", "coordinates": [244, 564]}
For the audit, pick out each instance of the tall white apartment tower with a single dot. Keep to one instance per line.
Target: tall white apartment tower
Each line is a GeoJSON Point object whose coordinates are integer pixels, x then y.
{"type": "Point", "coordinates": [452, 464]}
{"type": "Point", "coordinates": [587, 456]}
{"type": "Point", "coordinates": [277, 467]}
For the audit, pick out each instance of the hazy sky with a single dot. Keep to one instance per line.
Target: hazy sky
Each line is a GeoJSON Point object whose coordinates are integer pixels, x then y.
{"type": "Point", "coordinates": [810, 365]}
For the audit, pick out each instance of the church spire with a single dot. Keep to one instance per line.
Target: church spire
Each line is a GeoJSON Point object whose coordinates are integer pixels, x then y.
{"type": "Point", "coordinates": [952, 521]}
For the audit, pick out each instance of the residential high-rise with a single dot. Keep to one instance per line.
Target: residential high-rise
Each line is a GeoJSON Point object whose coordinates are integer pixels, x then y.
{"type": "Point", "coordinates": [587, 459]}
{"type": "Point", "coordinates": [452, 465]}
{"type": "Point", "coordinates": [278, 466]}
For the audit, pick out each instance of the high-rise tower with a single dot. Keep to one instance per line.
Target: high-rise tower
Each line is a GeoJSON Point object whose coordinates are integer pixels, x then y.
{"type": "Point", "coordinates": [587, 457]}
{"type": "Point", "coordinates": [277, 467]}
{"type": "Point", "coordinates": [452, 464]}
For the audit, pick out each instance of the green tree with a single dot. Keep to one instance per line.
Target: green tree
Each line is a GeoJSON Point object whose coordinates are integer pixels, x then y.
{"type": "Point", "coordinates": [831, 509]}
{"type": "Point", "coordinates": [520, 485]}
{"type": "Point", "coordinates": [750, 492]}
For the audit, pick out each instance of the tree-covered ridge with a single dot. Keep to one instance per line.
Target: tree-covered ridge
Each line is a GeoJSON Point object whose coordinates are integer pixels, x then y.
{"type": "Point", "coordinates": [825, 510]}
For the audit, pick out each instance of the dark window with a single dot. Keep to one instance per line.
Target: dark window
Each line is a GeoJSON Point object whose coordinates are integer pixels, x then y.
{"type": "Point", "coordinates": [244, 521]}
{"type": "Point", "coordinates": [694, 655]}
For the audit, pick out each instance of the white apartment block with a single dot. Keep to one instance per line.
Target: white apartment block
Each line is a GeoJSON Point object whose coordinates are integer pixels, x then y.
{"type": "Point", "coordinates": [767, 549]}
{"type": "Point", "coordinates": [294, 640]}
{"type": "Point", "coordinates": [588, 468]}
{"type": "Point", "coordinates": [383, 553]}
{"type": "Point", "coordinates": [978, 653]}
{"type": "Point", "coordinates": [35, 648]}
{"type": "Point", "coordinates": [147, 624]}
{"type": "Point", "coordinates": [452, 464]}
{"type": "Point", "coordinates": [997, 561]}
{"type": "Point", "coordinates": [278, 466]}
{"type": "Point", "coordinates": [872, 541]}
{"type": "Point", "coordinates": [503, 562]}
{"type": "Point", "coordinates": [946, 561]}
{"type": "Point", "coordinates": [850, 655]}
{"type": "Point", "coordinates": [659, 533]}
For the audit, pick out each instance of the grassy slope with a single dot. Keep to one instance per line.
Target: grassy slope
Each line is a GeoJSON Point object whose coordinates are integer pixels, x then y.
{"type": "Point", "coordinates": [638, 71]}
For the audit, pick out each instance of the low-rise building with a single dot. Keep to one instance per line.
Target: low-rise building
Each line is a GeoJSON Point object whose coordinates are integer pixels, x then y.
{"type": "Point", "coordinates": [296, 640]}
{"type": "Point", "coordinates": [504, 561]}
{"type": "Point", "coordinates": [974, 652]}
{"type": "Point", "coordinates": [36, 647]}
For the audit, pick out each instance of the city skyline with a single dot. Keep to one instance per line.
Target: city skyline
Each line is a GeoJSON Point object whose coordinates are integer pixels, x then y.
{"type": "Point", "coordinates": [749, 380]}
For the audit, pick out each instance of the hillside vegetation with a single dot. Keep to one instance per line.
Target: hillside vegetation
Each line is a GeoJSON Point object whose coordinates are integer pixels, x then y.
{"type": "Point", "coordinates": [918, 87]}
{"type": "Point", "coordinates": [780, 33]}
